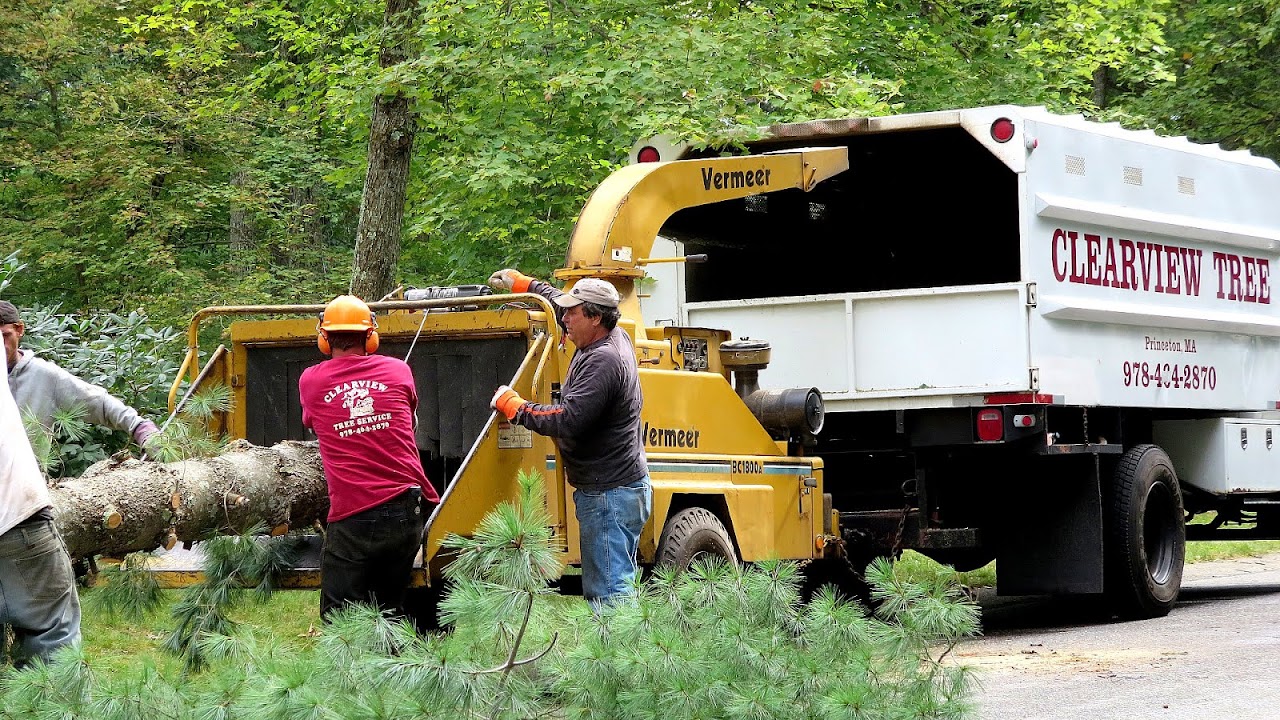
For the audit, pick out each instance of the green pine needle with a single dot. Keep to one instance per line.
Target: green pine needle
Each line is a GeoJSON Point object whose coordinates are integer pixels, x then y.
{"type": "Point", "coordinates": [129, 591]}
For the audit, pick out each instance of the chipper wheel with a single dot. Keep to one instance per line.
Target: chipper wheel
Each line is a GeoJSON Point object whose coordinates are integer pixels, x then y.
{"type": "Point", "coordinates": [1145, 535]}
{"type": "Point", "coordinates": [692, 533]}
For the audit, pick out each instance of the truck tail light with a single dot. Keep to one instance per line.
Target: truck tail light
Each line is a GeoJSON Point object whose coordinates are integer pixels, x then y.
{"type": "Point", "coordinates": [1002, 130]}
{"type": "Point", "coordinates": [1022, 399]}
{"type": "Point", "coordinates": [648, 153]}
{"type": "Point", "coordinates": [990, 425]}
{"type": "Point", "coordinates": [1024, 421]}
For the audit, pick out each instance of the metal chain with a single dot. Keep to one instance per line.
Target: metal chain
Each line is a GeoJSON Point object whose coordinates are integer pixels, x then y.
{"type": "Point", "coordinates": [907, 495]}
{"type": "Point", "coordinates": [843, 547]}
{"type": "Point", "coordinates": [896, 547]}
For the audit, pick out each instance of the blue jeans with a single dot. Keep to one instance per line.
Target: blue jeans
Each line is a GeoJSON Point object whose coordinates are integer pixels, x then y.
{"type": "Point", "coordinates": [609, 523]}
{"type": "Point", "coordinates": [37, 590]}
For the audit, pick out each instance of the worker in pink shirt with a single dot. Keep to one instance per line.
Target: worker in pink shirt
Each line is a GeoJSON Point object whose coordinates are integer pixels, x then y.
{"type": "Point", "coordinates": [362, 407]}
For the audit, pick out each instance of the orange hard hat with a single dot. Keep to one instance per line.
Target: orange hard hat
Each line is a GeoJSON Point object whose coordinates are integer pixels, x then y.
{"type": "Point", "coordinates": [347, 313]}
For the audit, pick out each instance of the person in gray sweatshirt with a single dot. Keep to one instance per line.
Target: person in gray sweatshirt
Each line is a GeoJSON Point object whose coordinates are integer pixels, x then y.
{"type": "Point", "coordinates": [41, 388]}
{"type": "Point", "coordinates": [38, 599]}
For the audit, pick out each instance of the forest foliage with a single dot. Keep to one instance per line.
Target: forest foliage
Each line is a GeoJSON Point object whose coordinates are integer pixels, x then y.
{"type": "Point", "coordinates": [164, 155]}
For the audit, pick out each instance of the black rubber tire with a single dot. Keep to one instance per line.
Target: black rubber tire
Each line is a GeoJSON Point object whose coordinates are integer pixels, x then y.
{"type": "Point", "coordinates": [1146, 536]}
{"type": "Point", "coordinates": [693, 532]}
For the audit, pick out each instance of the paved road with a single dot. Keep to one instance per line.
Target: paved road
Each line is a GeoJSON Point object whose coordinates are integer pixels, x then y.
{"type": "Point", "coordinates": [1217, 655]}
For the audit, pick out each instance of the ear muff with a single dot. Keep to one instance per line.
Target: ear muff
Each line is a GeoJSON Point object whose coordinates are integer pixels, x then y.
{"type": "Point", "coordinates": [371, 338]}
{"type": "Point", "coordinates": [322, 338]}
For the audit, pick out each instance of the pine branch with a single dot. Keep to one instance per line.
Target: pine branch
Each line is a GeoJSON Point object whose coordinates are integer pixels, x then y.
{"type": "Point", "coordinates": [231, 564]}
{"type": "Point", "coordinates": [130, 590]}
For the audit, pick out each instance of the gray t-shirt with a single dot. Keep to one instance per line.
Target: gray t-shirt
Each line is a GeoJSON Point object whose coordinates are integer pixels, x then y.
{"type": "Point", "coordinates": [42, 388]}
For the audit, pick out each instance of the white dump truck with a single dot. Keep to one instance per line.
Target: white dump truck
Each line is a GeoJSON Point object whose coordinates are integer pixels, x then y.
{"type": "Point", "coordinates": [1040, 339]}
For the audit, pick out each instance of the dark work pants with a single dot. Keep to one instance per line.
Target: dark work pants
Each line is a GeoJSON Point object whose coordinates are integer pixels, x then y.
{"type": "Point", "coordinates": [38, 590]}
{"type": "Point", "coordinates": [368, 557]}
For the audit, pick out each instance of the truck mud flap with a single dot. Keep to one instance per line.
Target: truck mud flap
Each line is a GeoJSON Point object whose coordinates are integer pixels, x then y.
{"type": "Point", "coordinates": [1054, 544]}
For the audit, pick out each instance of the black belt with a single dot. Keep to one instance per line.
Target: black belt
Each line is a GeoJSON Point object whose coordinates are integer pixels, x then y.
{"type": "Point", "coordinates": [44, 514]}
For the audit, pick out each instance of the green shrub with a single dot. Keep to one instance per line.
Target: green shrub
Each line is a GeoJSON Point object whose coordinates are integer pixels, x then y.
{"type": "Point", "coordinates": [713, 642]}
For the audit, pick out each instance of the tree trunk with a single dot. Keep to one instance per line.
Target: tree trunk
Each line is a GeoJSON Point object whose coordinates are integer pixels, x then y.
{"type": "Point", "coordinates": [390, 147]}
{"type": "Point", "coordinates": [1101, 84]}
{"type": "Point", "coordinates": [118, 508]}
{"type": "Point", "coordinates": [240, 229]}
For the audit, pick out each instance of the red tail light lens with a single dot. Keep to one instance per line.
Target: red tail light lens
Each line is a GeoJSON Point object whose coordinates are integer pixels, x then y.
{"type": "Point", "coordinates": [648, 153]}
{"type": "Point", "coordinates": [1002, 130]}
{"type": "Point", "coordinates": [990, 425]}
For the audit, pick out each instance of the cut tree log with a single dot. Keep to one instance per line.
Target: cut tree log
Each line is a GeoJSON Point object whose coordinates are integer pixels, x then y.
{"type": "Point", "coordinates": [116, 508]}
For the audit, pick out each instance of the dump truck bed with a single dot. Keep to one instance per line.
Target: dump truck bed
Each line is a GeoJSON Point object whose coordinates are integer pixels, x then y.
{"type": "Point", "coordinates": [1077, 262]}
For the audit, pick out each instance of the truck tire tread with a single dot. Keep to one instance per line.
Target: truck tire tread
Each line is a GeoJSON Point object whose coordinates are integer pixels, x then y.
{"type": "Point", "coordinates": [691, 532]}
{"type": "Point", "coordinates": [1144, 482]}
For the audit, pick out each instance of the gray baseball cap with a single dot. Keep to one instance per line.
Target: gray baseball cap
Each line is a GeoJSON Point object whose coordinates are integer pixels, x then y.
{"type": "Point", "coordinates": [592, 290]}
{"type": "Point", "coordinates": [8, 313]}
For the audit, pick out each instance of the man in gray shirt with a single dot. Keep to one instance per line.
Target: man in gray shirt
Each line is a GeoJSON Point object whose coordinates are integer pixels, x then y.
{"type": "Point", "coordinates": [41, 388]}
{"type": "Point", "coordinates": [38, 597]}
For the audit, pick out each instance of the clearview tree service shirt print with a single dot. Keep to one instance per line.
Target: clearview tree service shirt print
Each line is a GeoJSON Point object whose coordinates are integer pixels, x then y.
{"type": "Point", "coordinates": [361, 407]}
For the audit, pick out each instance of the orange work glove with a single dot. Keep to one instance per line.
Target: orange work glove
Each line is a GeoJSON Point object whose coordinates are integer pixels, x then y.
{"type": "Point", "coordinates": [509, 279]}
{"type": "Point", "coordinates": [507, 402]}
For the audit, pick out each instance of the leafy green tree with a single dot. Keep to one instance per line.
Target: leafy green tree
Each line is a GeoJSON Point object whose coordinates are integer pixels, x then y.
{"type": "Point", "coordinates": [120, 150]}
{"type": "Point", "coordinates": [92, 144]}
{"type": "Point", "coordinates": [142, 141]}
{"type": "Point", "coordinates": [1085, 49]}
{"type": "Point", "coordinates": [1226, 56]}
{"type": "Point", "coordinates": [524, 107]}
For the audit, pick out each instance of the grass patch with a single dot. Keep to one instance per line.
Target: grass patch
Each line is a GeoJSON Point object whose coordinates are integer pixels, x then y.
{"type": "Point", "coordinates": [117, 645]}
{"type": "Point", "coordinates": [917, 567]}
{"type": "Point", "coordinates": [1206, 550]}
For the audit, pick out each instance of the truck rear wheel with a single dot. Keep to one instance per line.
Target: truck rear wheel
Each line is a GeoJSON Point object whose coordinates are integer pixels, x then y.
{"type": "Point", "coordinates": [691, 533]}
{"type": "Point", "coordinates": [1145, 535]}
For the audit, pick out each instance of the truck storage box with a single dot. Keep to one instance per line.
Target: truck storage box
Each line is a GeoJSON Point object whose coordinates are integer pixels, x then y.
{"type": "Point", "coordinates": [1224, 455]}
{"type": "Point", "coordinates": [1076, 260]}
